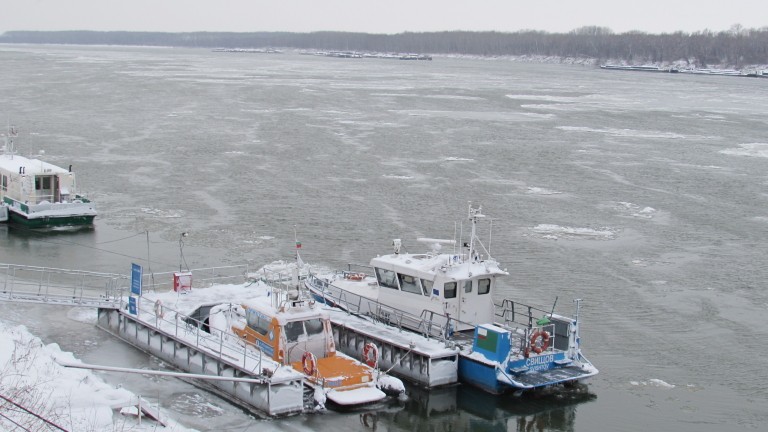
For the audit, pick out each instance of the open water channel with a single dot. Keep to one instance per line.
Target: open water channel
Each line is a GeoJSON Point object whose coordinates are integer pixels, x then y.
{"type": "Point", "coordinates": [642, 194]}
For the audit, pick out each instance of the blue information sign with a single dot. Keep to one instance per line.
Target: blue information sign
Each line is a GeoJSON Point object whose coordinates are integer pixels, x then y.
{"type": "Point", "coordinates": [132, 305]}
{"type": "Point", "coordinates": [136, 279]}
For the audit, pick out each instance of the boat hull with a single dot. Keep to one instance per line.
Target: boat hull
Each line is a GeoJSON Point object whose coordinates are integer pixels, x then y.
{"type": "Point", "coordinates": [50, 221]}
{"type": "Point", "coordinates": [490, 378]}
{"type": "Point", "coordinates": [481, 375]}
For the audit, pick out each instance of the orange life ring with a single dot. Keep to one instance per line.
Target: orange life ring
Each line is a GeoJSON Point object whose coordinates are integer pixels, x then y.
{"type": "Point", "coordinates": [544, 335]}
{"type": "Point", "coordinates": [309, 363]}
{"type": "Point", "coordinates": [355, 276]}
{"type": "Point", "coordinates": [370, 354]}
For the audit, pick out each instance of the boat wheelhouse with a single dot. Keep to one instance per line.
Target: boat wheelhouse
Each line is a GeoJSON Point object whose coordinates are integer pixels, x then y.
{"type": "Point", "coordinates": [455, 287]}
{"type": "Point", "coordinates": [39, 194]}
{"type": "Point", "coordinates": [298, 333]}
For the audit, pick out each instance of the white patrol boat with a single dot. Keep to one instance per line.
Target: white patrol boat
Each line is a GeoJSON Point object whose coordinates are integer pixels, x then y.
{"type": "Point", "coordinates": [454, 287]}
{"type": "Point", "coordinates": [503, 345]}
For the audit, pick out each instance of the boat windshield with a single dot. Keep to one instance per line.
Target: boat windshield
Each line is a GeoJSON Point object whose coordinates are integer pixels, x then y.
{"type": "Point", "coordinates": [387, 278]}
{"type": "Point", "coordinates": [409, 284]}
{"type": "Point", "coordinates": [296, 329]}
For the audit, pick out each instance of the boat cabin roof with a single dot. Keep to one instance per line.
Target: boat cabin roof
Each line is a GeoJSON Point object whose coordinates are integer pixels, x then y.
{"type": "Point", "coordinates": [300, 311]}
{"type": "Point", "coordinates": [427, 266]}
{"type": "Point", "coordinates": [12, 164]}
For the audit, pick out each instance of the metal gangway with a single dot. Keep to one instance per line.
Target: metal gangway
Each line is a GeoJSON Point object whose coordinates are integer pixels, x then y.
{"type": "Point", "coordinates": [49, 285]}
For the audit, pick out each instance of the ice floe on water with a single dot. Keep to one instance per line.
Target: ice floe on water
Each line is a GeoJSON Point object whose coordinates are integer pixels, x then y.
{"type": "Point", "coordinates": [474, 115]}
{"type": "Point", "coordinates": [398, 177]}
{"type": "Point", "coordinates": [458, 159]}
{"type": "Point", "coordinates": [628, 133]}
{"type": "Point", "coordinates": [654, 382]}
{"type": "Point", "coordinates": [259, 239]}
{"type": "Point", "coordinates": [555, 232]}
{"type": "Point", "coordinates": [749, 149]}
{"type": "Point", "coordinates": [635, 210]}
{"type": "Point", "coordinates": [421, 96]}
{"type": "Point", "coordinates": [161, 213]}
{"type": "Point", "coordinates": [194, 404]}
{"type": "Point", "coordinates": [532, 190]}
{"type": "Point", "coordinates": [546, 98]}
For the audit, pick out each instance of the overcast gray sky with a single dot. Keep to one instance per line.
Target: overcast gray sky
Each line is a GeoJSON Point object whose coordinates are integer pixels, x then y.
{"type": "Point", "coordinates": [380, 16]}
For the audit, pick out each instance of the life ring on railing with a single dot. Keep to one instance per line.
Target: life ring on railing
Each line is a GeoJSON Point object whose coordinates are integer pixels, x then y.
{"type": "Point", "coordinates": [355, 276]}
{"type": "Point", "coordinates": [370, 354]}
{"type": "Point", "coordinates": [309, 363]}
{"type": "Point", "coordinates": [159, 309]}
{"type": "Point", "coordinates": [544, 335]}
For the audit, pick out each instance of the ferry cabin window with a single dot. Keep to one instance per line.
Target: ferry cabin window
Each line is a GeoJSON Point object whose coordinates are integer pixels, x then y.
{"type": "Point", "coordinates": [468, 286]}
{"type": "Point", "coordinates": [483, 286]}
{"type": "Point", "coordinates": [386, 278]}
{"type": "Point", "coordinates": [427, 286]}
{"type": "Point", "coordinates": [5, 183]}
{"type": "Point", "coordinates": [450, 289]}
{"type": "Point", "coordinates": [409, 284]}
{"type": "Point", "coordinates": [257, 321]}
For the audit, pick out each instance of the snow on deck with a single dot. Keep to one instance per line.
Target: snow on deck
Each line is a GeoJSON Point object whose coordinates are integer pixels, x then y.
{"type": "Point", "coordinates": [220, 342]}
{"type": "Point", "coordinates": [391, 335]}
{"type": "Point", "coordinates": [357, 396]}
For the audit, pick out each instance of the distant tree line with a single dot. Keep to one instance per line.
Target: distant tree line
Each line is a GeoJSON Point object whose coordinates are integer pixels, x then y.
{"type": "Point", "coordinates": [737, 46]}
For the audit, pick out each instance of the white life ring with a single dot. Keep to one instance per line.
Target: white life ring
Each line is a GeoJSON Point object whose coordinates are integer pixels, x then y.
{"type": "Point", "coordinates": [159, 312]}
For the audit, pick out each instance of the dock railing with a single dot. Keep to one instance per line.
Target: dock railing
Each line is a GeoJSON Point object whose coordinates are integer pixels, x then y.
{"type": "Point", "coordinates": [201, 277]}
{"type": "Point", "coordinates": [429, 324]}
{"type": "Point", "coordinates": [34, 284]}
{"type": "Point", "coordinates": [223, 345]}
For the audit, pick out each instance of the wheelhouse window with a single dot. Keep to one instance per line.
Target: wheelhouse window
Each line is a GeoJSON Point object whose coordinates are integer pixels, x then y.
{"type": "Point", "coordinates": [387, 278]}
{"type": "Point", "coordinates": [409, 284]}
{"type": "Point", "coordinates": [483, 286]}
{"type": "Point", "coordinates": [426, 285]}
{"type": "Point", "coordinates": [4, 184]}
{"type": "Point", "coordinates": [296, 329]}
{"type": "Point", "coordinates": [450, 289]}
{"type": "Point", "coordinates": [313, 326]}
{"type": "Point", "coordinates": [293, 330]}
{"type": "Point", "coordinates": [257, 321]}
{"type": "Point", "coordinates": [468, 286]}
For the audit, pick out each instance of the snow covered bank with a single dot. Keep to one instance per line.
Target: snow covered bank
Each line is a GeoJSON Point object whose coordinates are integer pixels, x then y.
{"type": "Point", "coordinates": [38, 393]}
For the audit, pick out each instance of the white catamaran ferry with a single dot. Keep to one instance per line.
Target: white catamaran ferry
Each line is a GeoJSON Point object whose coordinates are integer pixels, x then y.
{"type": "Point", "coordinates": [38, 194]}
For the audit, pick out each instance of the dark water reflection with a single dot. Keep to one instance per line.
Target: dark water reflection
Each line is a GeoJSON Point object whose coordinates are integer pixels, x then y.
{"type": "Point", "coordinates": [462, 408]}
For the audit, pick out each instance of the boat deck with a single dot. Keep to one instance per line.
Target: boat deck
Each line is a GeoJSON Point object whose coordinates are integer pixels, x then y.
{"type": "Point", "coordinates": [551, 376]}
{"type": "Point", "coordinates": [424, 361]}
